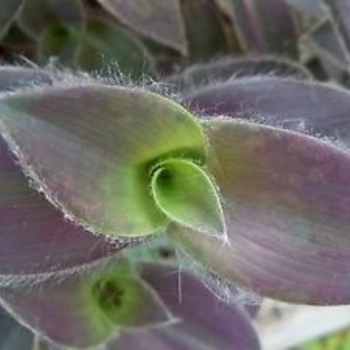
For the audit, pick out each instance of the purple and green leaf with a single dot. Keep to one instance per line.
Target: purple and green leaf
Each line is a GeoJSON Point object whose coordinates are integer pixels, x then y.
{"type": "Point", "coordinates": [87, 309]}
{"type": "Point", "coordinates": [286, 200]}
{"type": "Point", "coordinates": [203, 321]}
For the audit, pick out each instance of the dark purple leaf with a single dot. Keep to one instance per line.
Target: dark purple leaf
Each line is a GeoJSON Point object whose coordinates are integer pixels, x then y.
{"type": "Point", "coordinates": [159, 20]}
{"type": "Point", "coordinates": [262, 25]}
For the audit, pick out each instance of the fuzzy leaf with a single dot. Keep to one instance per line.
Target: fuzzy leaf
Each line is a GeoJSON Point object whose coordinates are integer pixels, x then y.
{"type": "Point", "coordinates": [200, 75]}
{"type": "Point", "coordinates": [158, 20]}
{"type": "Point", "coordinates": [286, 203]}
{"type": "Point", "coordinates": [35, 238]}
{"type": "Point", "coordinates": [186, 194]}
{"type": "Point", "coordinates": [204, 321]}
{"type": "Point", "coordinates": [302, 106]}
{"type": "Point", "coordinates": [86, 309]}
{"type": "Point", "coordinates": [91, 148]}
{"type": "Point", "coordinates": [12, 77]}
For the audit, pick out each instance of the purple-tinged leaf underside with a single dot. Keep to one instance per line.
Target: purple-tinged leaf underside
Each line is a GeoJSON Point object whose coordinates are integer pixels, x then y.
{"type": "Point", "coordinates": [286, 201]}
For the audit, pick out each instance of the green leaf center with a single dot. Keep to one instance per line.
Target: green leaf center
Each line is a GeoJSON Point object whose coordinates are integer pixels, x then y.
{"type": "Point", "coordinates": [185, 194]}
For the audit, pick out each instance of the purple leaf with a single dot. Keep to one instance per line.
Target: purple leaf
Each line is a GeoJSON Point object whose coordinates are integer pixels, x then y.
{"type": "Point", "coordinates": [204, 321]}
{"type": "Point", "coordinates": [86, 309]}
{"type": "Point", "coordinates": [220, 71]}
{"type": "Point", "coordinates": [35, 237]}
{"type": "Point", "coordinates": [161, 21]}
{"type": "Point", "coordinates": [91, 149]}
{"type": "Point", "coordinates": [286, 200]}
{"type": "Point", "coordinates": [246, 24]}
{"type": "Point", "coordinates": [298, 105]}
{"type": "Point", "coordinates": [262, 25]}
{"type": "Point", "coordinates": [277, 26]}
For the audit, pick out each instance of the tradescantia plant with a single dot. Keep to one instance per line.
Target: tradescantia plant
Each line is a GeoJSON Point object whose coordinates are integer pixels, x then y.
{"type": "Point", "coordinates": [131, 213]}
{"type": "Point", "coordinates": [247, 178]}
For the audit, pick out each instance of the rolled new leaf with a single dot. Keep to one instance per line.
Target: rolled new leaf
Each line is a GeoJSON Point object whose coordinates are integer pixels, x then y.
{"type": "Point", "coordinates": [286, 200]}
{"type": "Point", "coordinates": [186, 194]}
{"type": "Point", "coordinates": [204, 322]}
{"type": "Point", "coordinates": [91, 150]}
{"type": "Point", "coordinates": [83, 310]}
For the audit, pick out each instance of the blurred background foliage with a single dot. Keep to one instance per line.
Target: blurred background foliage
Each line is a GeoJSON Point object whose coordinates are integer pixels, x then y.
{"type": "Point", "coordinates": [159, 38]}
{"type": "Point", "coordinates": [182, 41]}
